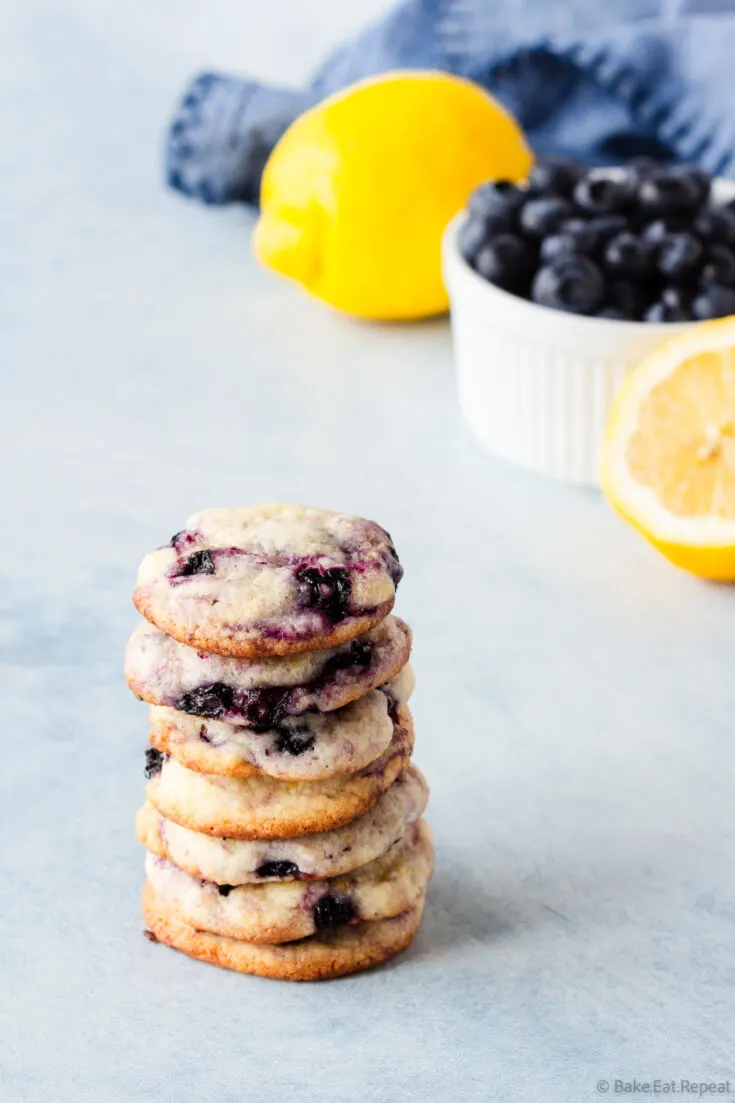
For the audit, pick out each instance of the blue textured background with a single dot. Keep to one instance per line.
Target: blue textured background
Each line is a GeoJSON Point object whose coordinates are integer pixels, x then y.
{"type": "Point", "coordinates": [575, 700]}
{"type": "Point", "coordinates": [596, 81]}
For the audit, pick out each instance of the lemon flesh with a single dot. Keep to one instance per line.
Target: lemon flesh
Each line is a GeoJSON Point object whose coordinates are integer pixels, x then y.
{"type": "Point", "coordinates": [668, 461]}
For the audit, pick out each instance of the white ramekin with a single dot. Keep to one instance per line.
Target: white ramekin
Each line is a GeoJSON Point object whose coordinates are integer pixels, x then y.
{"type": "Point", "coordinates": [535, 384]}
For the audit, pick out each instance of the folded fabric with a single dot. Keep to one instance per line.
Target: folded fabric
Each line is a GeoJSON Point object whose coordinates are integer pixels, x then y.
{"type": "Point", "coordinates": [597, 80]}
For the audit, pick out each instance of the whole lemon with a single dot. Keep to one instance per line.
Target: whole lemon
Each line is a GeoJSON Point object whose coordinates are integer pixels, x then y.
{"type": "Point", "coordinates": [358, 191]}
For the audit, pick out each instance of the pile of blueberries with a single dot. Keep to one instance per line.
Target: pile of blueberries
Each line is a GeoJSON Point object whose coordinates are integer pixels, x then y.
{"type": "Point", "coordinates": [645, 244]}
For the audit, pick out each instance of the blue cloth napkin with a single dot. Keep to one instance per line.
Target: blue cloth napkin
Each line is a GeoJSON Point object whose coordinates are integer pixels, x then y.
{"type": "Point", "coordinates": [598, 80]}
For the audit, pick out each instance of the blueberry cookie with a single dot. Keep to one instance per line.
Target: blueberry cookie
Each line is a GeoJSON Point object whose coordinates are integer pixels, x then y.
{"type": "Point", "coordinates": [331, 953]}
{"type": "Point", "coordinates": [262, 807]}
{"type": "Point", "coordinates": [288, 910]}
{"type": "Point", "coordinates": [261, 692]}
{"type": "Point", "coordinates": [307, 857]}
{"type": "Point", "coordinates": [311, 747]}
{"type": "Point", "coordinates": [269, 580]}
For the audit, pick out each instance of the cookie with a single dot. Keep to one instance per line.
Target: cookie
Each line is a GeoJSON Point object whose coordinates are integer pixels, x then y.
{"type": "Point", "coordinates": [262, 807]}
{"type": "Point", "coordinates": [260, 692]}
{"type": "Point", "coordinates": [321, 957]}
{"type": "Point", "coordinates": [269, 580]}
{"type": "Point", "coordinates": [311, 747]}
{"type": "Point", "coordinates": [306, 857]}
{"type": "Point", "coordinates": [288, 910]}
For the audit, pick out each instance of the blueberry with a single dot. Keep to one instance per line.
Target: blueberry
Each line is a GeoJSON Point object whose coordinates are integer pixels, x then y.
{"type": "Point", "coordinates": [607, 226]}
{"type": "Point", "coordinates": [327, 590]}
{"type": "Point", "coordinates": [614, 313]}
{"type": "Point", "coordinates": [665, 192]}
{"type": "Point", "coordinates": [601, 195]}
{"type": "Point", "coordinates": [638, 168]}
{"type": "Point", "coordinates": [697, 179]}
{"type": "Point", "coordinates": [225, 890]}
{"type": "Point", "coordinates": [333, 911]}
{"type": "Point", "coordinates": [572, 283]}
{"type": "Point", "coordinates": [628, 255]}
{"type": "Point", "coordinates": [278, 869]}
{"type": "Point", "coordinates": [507, 261]}
{"type": "Point", "coordinates": [632, 299]}
{"type": "Point", "coordinates": [656, 313]}
{"type": "Point", "coordinates": [213, 700]}
{"type": "Point", "coordinates": [679, 255]}
{"type": "Point", "coordinates": [181, 540]}
{"type": "Point", "coordinates": [717, 225]}
{"type": "Point", "coordinates": [294, 741]}
{"type": "Point", "coordinates": [359, 654]}
{"type": "Point", "coordinates": [590, 232]}
{"type": "Point", "coordinates": [154, 760]}
{"type": "Point", "coordinates": [719, 266]}
{"type": "Point", "coordinates": [497, 201]}
{"type": "Point", "coordinates": [556, 175]}
{"type": "Point", "coordinates": [715, 301]}
{"type": "Point", "coordinates": [575, 236]}
{"type": "Point", "coordinates": [657, 231]}
{"type": "Point", "coordinates": [392, 563]}
{"type": "Point", "coordinates": [472, 236]}
{"type": "Point", "coordinates": [542, 216]}
{"type": "Point", "coordinates": [263, 708]}
{"type": "Point", "coordinates": [677, 297]}
{"type": "Point", "coordinates": [659, 312]}
{"type": "Point", "coordinates": [558, 245]}
{"type": "Point", "coordinates": [199, 562]}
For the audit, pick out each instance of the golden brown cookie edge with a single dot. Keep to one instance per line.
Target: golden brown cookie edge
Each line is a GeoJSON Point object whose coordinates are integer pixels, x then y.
{"type": "Point", "coordinates": [417, 856]}
{"type": "Point", "coordinates": [349, 693]}
{"type": "Point", "coordinates": [258, 647]}
{"type": "Point", "coordinates": [397, 754]}
{"type": "Point", "coordinates": [348, 950]}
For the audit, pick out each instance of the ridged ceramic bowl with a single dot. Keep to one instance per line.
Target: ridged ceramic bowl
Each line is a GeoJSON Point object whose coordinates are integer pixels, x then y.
{"type": "Point", "coordinates": [535, 384]}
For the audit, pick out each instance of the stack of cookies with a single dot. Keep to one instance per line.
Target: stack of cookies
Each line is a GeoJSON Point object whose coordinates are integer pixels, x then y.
{"type": "Point", "coordinates": [283, 814]}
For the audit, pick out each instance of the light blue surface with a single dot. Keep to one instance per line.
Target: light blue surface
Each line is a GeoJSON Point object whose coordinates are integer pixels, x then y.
{"type": "Point", "coordinates": [575, 702]}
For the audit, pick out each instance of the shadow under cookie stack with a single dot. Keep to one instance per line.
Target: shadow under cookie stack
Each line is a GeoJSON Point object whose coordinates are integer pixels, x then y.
{"type": "Point", "coordinates": [283, 815]}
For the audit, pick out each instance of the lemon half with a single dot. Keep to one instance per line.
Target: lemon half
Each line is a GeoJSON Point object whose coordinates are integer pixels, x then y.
{"type": "Point", "coordinates": [668, 463]}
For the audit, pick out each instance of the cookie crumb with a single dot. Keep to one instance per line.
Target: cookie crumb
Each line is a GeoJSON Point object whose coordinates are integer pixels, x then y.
{"type": "Point", "coordinates": [147, 933]}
